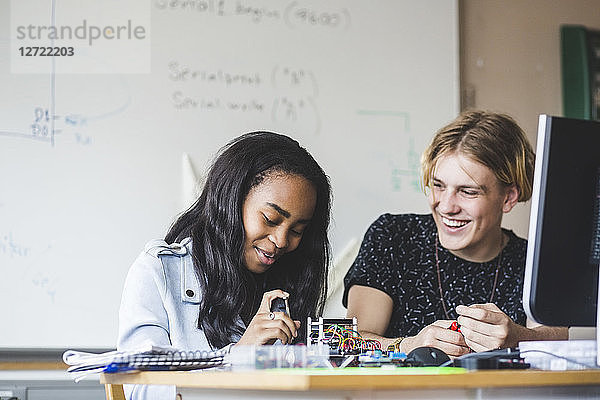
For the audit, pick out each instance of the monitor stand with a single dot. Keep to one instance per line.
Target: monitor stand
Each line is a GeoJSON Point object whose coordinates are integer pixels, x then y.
{"type": "Point", "coordinates": [582, 333]}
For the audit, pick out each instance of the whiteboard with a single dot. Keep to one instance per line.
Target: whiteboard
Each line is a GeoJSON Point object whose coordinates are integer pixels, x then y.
{"type": "Point", "coordinates": [92, 163]}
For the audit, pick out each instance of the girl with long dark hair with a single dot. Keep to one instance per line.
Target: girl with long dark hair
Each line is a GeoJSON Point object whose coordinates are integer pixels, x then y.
{"type": "Point", "coordinates": [258, 231]}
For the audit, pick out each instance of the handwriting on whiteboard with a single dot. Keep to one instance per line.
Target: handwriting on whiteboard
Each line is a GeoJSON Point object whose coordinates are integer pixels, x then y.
{"type": "Point", "coordinates": [282, 94]}
{"type": "Point", "coordinates": [295, 14]}
{"type": "Point", "coordinates": [11, 248]}
{"type": "Point", "coordinates": [30, 261]}
{"type": "Point", "coordinates": [41, 128]}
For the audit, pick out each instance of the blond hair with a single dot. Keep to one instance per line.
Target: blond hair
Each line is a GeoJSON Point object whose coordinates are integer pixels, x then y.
{"type": "Point", "coordinates": [492, 139]}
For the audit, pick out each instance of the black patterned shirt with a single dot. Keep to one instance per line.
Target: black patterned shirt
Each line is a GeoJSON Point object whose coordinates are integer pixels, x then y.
{"type": "Point", "coordinates": [397, 256]}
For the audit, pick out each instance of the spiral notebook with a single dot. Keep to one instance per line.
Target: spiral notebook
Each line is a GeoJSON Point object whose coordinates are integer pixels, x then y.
{"type": "Point", "coordinates": [151, 358]}
{"type": "Point", "coordinates": [173, 360]}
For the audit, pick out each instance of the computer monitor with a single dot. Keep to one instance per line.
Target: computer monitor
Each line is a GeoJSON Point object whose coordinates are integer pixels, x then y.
{"type": "Point", "coordinates": [563, 253]}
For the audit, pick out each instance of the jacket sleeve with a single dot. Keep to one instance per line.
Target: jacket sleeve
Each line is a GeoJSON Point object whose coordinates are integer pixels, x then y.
{"type": "Point", "coordinates": [143, 319]}
{"type": "Point", "coordinates": [142, 316]}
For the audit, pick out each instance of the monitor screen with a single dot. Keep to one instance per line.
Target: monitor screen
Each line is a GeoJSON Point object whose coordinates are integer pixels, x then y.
{"type": "Point", "coordinates": [561, 275]}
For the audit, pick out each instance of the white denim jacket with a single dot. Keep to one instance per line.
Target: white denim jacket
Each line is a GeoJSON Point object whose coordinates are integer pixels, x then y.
{"type": "Point", "coordinates": [159, 306]}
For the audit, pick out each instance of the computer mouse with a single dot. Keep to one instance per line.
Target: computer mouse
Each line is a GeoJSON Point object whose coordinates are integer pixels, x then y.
{"type": "Point", "coordinates": [428, 356]}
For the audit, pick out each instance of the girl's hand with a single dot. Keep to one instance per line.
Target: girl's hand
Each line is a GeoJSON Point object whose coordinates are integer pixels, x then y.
{"type": "Point", "coordinates": [266, 326]}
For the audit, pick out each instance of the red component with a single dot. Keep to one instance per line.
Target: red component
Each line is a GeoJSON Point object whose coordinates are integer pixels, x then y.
{"type": "Point", "coordinates": [454, 326]}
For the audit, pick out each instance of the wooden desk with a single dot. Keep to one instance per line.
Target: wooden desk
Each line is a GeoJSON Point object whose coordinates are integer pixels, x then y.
{"type": "Point", "coordinates": [33, 365]}
{"type": "Point", "coordinates": [371, 384]}
{"type": "Point", "coordinates": [44, 380]}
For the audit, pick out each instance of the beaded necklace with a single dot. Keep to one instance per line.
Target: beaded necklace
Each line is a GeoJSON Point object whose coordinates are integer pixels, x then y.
{"type": "Point", "coordinates": [437, 267]}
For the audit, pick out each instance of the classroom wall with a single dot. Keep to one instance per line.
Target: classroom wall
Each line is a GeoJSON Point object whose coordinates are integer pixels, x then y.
{"type": "Point", "coordinates": [96, 164]}
{"type": "Point", "coordinates": [510, 62]}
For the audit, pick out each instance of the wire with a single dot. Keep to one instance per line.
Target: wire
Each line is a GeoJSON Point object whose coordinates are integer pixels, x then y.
{"type": "Point", "coordinates": [515, 353]}
{"type": "Point", "coordinates": [571, 360]}
{"type": "Point", "coordinates": [349, 339]}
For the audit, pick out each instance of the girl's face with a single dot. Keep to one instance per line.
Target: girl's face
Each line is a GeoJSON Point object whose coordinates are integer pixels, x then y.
{"type": "Point", "coordinates": [275, 214]}
{"type": "Point", "coordinates": [467, 202]}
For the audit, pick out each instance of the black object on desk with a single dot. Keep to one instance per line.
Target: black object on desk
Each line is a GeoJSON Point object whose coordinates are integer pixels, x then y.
{"type": "Point", "coordinates": [495, 359]}
{"type": "Point", "coordinates": [280, 305]}
{"type": "Point", "coordinates": [427, 357]}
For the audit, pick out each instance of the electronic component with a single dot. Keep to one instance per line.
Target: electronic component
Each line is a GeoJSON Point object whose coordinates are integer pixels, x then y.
{"type": "Point", "coordinates": [378, 358]}
{"type": "Point", "coordinates": [493, 359]}
{"type": "Point", "coordinates": [455, 327]}
{"type": "Point", "coordinates": [280, 305]}
{"type": "Point", "coordinates": [340, 334]}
